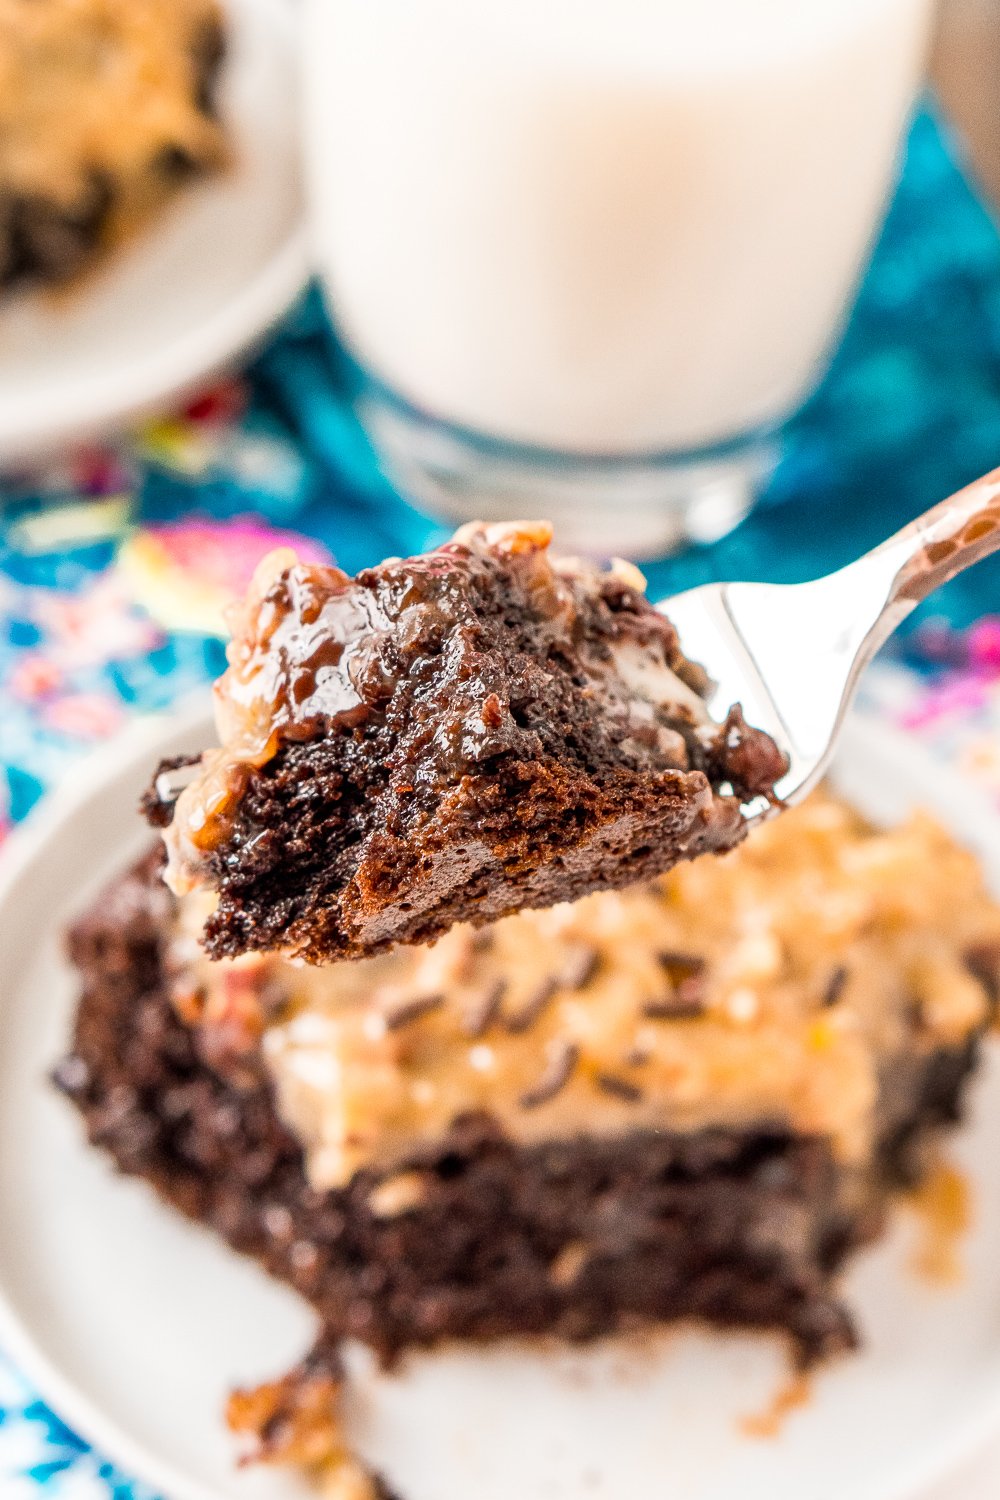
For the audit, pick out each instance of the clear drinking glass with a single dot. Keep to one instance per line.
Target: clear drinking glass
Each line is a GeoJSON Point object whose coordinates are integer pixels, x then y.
{"type": "Point", "coordinates": [588, 255]}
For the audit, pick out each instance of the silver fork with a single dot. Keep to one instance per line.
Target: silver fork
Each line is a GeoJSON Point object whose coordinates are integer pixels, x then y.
{"type": "Point", "coordinates": [792, 654]}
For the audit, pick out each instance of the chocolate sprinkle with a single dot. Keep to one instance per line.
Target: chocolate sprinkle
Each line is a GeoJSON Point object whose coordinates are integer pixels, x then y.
{"type": "Point", "coordinates": [835, 986]}
{"type": "Point", "coordinates": [619, 1088]}
{"type": "Point", "coordinates": [562, 1062]}
{"type": "Point", "coordinates": [485, 1009]}
{"type": "Point", "coordinates": [412, 1010]}
{"type": "Point", "coordinates": [677, 1007]}
{"type": "Point", "coordinates": [680, 966]}
{"type": "Point", "coordinates": [580, 967]}
{"type": "Point", "coordinates": [533, 1007]}
{"type": "Point", "coordinates": [686, 972]}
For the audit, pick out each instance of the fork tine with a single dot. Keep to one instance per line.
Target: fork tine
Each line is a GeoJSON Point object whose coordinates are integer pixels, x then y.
{"type": "Point", "coordinates": [709, 636]}
{"type": "Point", "coordinates": [169, 784]}
{"type": "Point", "coordinates": [789, 653]}
{"type": "Point", "coordinates": [744, 636]}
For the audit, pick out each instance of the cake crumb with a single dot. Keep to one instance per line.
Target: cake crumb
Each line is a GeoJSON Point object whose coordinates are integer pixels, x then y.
{"type": "Point", "coordinates": [296, 1420]}
{"type": "Point", "coordinates": [943, 1207]}
{"type": "Point", "coordinates": [790, 1396]}
{"type": "Point", "coordinates": [346, 1478]}
{"type": "Point", "coordinates": [293, 1420]}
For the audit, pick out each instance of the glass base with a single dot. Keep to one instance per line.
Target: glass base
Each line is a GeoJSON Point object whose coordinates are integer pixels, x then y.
{"type": "Point", "coordinates": [642, 506]}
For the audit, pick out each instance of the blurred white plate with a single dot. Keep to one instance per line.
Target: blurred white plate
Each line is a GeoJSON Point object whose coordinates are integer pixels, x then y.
{"type": "Point", "coordinates": [135, 1323]}
{"type": "Point", "coordinates": [193, 292]}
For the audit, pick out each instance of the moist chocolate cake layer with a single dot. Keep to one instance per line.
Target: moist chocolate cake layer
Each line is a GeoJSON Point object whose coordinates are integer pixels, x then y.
{"type": "Point", "coordinates": [446, 738]}
{"type": "Point", "coordinates": [480, 1238]}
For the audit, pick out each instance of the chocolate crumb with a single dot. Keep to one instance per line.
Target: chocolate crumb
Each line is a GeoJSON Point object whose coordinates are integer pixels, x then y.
{"type": "Point", "coordinates": [533, 1007]}
{"type": "Point", "coordinates": [408, 1011]}
{"type": "Point", "coordinates": [835, 986]}
{"type": "Point", "coordinates": [619, 1088]}
{"type": "Point", "coordinates": [483, 1011]}
{"type": "Point", "coordinates": [481, 941]}
{"type": "Point", "coordinates": [563, 1058]}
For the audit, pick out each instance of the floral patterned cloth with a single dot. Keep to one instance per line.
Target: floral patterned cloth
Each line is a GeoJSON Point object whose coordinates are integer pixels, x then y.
{"type": "Point", "coordinates": [115, 565]}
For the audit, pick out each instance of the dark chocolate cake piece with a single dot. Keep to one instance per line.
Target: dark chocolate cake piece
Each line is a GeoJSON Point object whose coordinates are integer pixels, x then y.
{"type": "Point", "coordinates": [424, 1193]}
{"type": "Point", "coordinates": [687, 1100]}
{"type": "Point", "coordinates": [104, 110]}
{"type": "Point", "coordinates": [576, 1238]}
{"type": "Point", "coordinates": [450, 738]}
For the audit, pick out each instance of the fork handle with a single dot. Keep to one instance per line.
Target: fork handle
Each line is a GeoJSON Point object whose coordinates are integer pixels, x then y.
{"type": "Point", "coordinates": [962, 530]}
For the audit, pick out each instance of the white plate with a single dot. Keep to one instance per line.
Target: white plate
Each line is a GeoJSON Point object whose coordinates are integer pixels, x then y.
{"type": "Point", "coordinates": [193, 292]}
{"type": "Point", "coordinates": [135, 1323]}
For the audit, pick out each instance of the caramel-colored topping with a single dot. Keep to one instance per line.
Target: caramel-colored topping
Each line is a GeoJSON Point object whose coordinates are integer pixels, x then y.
{"type": "Point", "coordinates": [296, 1420]}
{"type": "Point", "coordinates": [106, 91]}
{"type": "Point", "coordinates": [943, 1207]}
{"type": "Point", "coordinates": [506, 536]}
{"type": "Point", "coordinates": [347, 1478]}
{"type": "Point", "coordinates": [312, 648]}
{"type": "Point", "coordinates": [301, 650]}
{"type": "Point", "coordinates": [793, 1394]}
{"type": "Point", "coordinates": [293, 1420]}
{"type": "Point", "coordinates": [773, 984]}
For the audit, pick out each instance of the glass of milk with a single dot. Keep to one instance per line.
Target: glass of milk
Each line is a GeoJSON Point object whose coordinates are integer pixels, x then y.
{"type": "Point", "coordinates": [588, 255]}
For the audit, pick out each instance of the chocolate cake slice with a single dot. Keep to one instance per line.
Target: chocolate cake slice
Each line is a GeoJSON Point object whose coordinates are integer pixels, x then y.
{"type": "Point", "coordinates": [106, 106]}
{"type": "Point", "coordinates": [450, 738]}
{"type": "Point", "coordinates": [691, 1099]}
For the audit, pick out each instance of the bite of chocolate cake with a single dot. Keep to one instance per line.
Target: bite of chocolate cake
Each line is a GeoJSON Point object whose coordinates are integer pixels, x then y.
{"type": "Point", "coordinates": [449, 738]}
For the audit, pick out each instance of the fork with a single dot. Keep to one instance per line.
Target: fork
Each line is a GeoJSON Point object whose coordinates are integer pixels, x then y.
{"type": "Point", "coordinates": [792, 654]}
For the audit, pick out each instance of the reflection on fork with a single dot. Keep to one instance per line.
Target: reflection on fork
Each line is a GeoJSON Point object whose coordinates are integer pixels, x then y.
{"type": "Point", "coordinates": [792, 654]}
